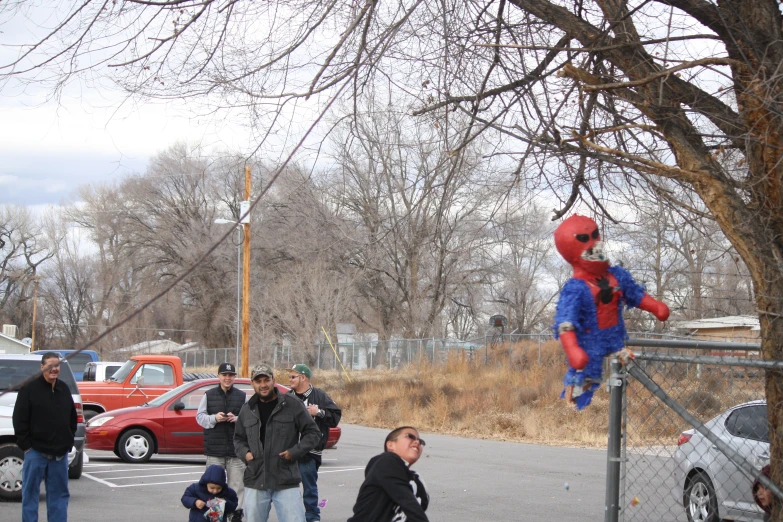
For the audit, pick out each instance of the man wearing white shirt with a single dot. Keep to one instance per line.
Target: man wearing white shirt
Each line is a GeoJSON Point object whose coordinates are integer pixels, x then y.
{"type": "Point", "coordinates": [217, 414]}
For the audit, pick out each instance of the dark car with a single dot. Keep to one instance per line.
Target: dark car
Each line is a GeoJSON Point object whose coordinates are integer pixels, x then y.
{"type": "Point", "coordinates": [166, 424]}
{"type": "Point", "coordinates": [14, 369]}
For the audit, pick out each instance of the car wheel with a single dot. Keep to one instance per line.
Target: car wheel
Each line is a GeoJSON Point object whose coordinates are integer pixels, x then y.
{"type": "Point", "coordinates": [136, 446]}
{"type": "Point", "coordinates": [701, 505]}
{"type": "Point", "coordinates": [11, 461]}
{"type": "Point", "coordinates": [75, 469]}
{"type": "Point", "coordinates": [89, 414]}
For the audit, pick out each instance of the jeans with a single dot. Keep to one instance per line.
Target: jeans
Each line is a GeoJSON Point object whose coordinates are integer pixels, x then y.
{"type": "Point", "coordinates": [235, 469]}
{"type": "Point", "coordinates": [36, 468]}
{"type": "Point", "coordinates": [288, 504]}
{"type": "Point", "coordinates": [309, 471]}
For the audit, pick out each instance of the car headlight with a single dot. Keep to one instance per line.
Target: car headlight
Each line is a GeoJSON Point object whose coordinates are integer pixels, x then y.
{"type": "Point", "coordinates": [99, 421]}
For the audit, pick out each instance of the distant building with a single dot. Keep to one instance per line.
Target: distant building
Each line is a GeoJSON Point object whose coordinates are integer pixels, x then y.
{"type": "Point", "coordinates": [10, 344]}
{"type": "Point", "coordinates": [733, 328]}
{"type": "Point", "coordinates": [157, 347]}
{"type": "Point", "coordinates": [357, 350]}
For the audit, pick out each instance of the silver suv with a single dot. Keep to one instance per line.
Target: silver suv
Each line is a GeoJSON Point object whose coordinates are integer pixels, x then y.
{"type": "Point", "coordinates": [14, 369]}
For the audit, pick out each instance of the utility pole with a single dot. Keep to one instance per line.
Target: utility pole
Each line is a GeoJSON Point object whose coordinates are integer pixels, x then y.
{"type": "Point", "coordinates": [35, 310]}
{"type": "Point", "coordinates": [245, 220]}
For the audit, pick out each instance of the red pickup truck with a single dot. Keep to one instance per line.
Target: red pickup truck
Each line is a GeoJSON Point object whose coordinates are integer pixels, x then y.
{"type": "Point", "coordinates": [141, 379]}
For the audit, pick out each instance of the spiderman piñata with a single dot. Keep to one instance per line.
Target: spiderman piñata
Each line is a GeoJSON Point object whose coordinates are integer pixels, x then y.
{"type": "Point", "coordinates": [589, 317]}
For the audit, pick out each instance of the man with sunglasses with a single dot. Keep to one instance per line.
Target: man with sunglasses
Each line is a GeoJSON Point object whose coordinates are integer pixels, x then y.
{"type": "Point", "coordinates": [326, 414]}
{"type": "Point", "coordinates": [45, 426]}
{"type": "Point", "coordinates": [391, 491]}
{"type": "Point", "coordinates": [217, 414]}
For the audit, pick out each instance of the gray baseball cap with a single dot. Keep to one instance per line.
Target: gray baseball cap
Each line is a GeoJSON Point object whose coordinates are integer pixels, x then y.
{"type": "Point", "coordinates": [262, 369]}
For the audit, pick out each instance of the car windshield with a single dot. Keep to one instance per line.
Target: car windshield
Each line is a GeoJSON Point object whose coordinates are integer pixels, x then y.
{"type": "Point", "coordinates": [124, 370]}
{"type": "Point", "coordinates": [14, 372]}
{"type": "Point", "coordinates": [168, 395]}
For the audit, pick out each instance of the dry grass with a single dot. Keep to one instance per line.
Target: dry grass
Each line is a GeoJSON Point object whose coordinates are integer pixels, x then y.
{"type": "Point", "coordinates": [513, 398]}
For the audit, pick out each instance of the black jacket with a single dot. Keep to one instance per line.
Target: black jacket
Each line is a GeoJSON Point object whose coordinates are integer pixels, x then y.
{"type": "Point", "coordinates": [198, 491]}
{"type": "Point", "coordinates": [289, 428]}
{"type": "Point", "coordinates": [45, 418]}
{"type": "Point", "coordinates": [391, 492]}
{"type": "Point", "coordinates": [330, 417]}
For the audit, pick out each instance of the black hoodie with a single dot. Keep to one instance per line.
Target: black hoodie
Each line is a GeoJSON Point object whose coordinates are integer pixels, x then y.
{"type": "Point", "coordinates": [198, 491]}
{"type": "Point", "coordinates": [391, 492]}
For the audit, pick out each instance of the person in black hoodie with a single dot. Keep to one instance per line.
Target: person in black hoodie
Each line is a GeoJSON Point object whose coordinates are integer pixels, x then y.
{"type": "Point", "coordinates": [391, 491]}
{"type": "Point", "coordinates": [45, 425]}
{"type": "Point", "coordinates": [212, 485]}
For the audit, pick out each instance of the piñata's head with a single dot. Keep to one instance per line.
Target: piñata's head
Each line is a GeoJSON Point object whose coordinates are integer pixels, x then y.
{"type": "Point", "coordinates": [579, 242]}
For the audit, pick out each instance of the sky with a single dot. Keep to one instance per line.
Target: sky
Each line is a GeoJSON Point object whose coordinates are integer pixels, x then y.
{"type": "Point", "coordinates": [49, 148]}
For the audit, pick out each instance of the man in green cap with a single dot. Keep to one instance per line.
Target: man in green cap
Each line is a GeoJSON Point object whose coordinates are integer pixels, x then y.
{"type": "Point", "coordinates": [326, 414]}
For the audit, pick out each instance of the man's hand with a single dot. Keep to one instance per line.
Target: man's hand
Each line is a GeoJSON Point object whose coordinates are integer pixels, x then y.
{"type": "Point", "coordinates": [313, 409]}
{"type": "Point", "coordinates": [285, 455]}
{"type": "Point", "coordinates": [231, 417]}
{"type": "Point", "coordinates": [220, 417]}
{"type": "Point", "coordinates": [200, 503]}
{"type": "Point", "coordinates": [248, 456]}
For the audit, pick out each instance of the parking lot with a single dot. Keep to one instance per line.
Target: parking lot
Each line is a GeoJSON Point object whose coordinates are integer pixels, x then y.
{"type": "Point", "coordinates": [467, 479]}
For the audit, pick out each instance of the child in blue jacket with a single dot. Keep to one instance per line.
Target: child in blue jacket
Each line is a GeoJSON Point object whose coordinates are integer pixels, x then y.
{"type": "Point", "coordinates": [212, 485]}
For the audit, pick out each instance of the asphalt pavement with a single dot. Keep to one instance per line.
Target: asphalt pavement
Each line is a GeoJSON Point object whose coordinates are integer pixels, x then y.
{"type": "Point", "coordinates": [467, 479]}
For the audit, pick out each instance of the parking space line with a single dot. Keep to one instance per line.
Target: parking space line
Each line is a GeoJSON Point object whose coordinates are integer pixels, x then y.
{"type": "Point", "coordinates": [141, 468]}
{"type": "Point", "coordinates": [154, 484]}
{"type": "Point", "coordinates": [161, 475]}
{"type": "Point", "coordinates": [101, 481]}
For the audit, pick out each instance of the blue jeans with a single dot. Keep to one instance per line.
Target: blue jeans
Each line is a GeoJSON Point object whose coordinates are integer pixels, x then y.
{"type": "Point", "coordinates": [309, 472]}
{"type": "Point", "coordinates": [35, 469]}
{"type": "Point", "coordinates": [288, 504]}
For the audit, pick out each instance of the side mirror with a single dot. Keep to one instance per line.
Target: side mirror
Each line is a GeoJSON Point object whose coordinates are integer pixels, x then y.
{"type": "Point", "coordinates": [140, 381]}
{"type": "Point", "coordinates": [179, 406]}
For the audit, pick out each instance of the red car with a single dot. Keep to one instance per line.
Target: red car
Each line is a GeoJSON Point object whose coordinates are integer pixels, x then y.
{"type": "Point", "coordinates": [166, 424]}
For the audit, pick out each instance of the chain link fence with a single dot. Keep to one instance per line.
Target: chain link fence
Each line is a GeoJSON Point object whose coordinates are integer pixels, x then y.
{"type": "Point", "coordinates": [395, 353]}
{"type": "Point", "coordinates": [695, 432]}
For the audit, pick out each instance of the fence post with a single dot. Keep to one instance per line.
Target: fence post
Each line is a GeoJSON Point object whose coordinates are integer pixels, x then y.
{"type": "Point", "coordinates": [613, 456]}
{"type": "Point", "coordinates": [539, 347]}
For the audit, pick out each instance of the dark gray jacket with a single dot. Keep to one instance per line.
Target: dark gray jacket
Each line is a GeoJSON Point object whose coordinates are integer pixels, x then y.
{"type": "Point", "coordinates": [290, 427]}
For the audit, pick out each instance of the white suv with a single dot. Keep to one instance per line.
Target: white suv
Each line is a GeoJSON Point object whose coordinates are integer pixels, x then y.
{"type": "Point", "coordinates": [14, 369]}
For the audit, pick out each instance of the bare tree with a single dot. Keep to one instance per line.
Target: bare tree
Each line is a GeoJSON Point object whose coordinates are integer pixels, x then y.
{"type": "Point", "coordinates": [68, 288]}
{"type": "Point", "coordinates": [520, 285]}
{"type": "Point", "coordinates": [23, 249]}
{"type": "Point", "coordinates": [417, 216]}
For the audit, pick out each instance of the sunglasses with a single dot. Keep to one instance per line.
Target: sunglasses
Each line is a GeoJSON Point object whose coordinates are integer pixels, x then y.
{"type": "Point", "coordinates": [292, 377]}
{"type": "Point", "coordinates": [414, 438]}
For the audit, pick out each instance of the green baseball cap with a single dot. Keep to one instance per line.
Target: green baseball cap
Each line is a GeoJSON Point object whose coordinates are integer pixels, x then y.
{"type": "Point", "coordinates": [303, 369]}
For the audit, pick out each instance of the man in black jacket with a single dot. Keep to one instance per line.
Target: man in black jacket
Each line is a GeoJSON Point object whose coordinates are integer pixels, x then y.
{"type": "Point", "coordinates": [272, 433]}
{"type": "Point", "coordinates": [45, 425]}
{"type": "Point", "coordinates": [326, 414]}
{"type": "Point", "coordinates": [217, 414]}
